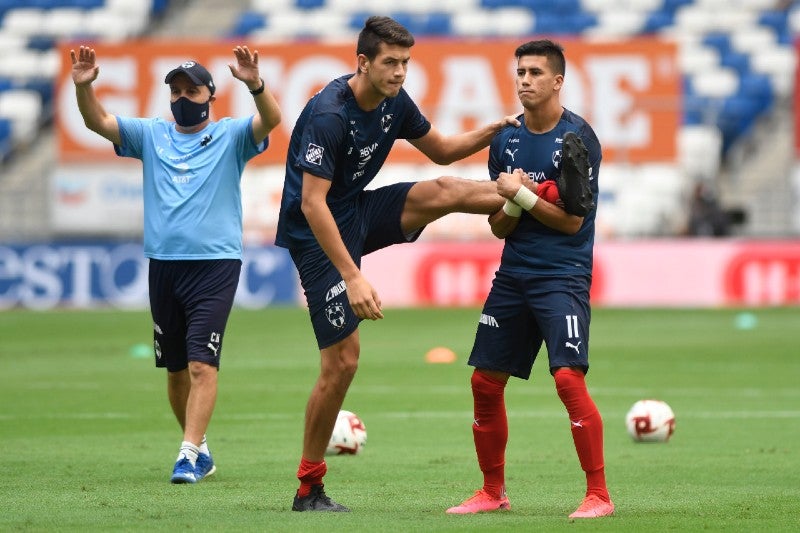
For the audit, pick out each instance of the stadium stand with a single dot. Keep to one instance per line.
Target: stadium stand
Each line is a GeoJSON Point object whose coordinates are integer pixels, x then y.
{"type": "Point", "coordinates": [736, 56]}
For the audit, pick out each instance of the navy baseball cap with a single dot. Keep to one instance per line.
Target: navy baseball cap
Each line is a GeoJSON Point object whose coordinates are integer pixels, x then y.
{"type": "Point", "coordinates": [196, 72]}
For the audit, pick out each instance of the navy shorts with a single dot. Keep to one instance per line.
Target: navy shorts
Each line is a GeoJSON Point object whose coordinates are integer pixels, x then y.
{"type": "Point", "coordinates": [522, 312]}
{"type": "Point", "coordinates": [376, 225]}
{"type": "Point", "coordinates": [190, 302]}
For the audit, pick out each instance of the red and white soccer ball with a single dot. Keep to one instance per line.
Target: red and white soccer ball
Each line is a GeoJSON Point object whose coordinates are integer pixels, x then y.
{"type": "Point", "coordinates": [349, 435]}
{"type": "Point", "coordinates": [650, 421]}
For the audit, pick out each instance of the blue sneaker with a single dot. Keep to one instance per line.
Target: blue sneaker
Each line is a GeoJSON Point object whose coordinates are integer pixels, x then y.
{"type": "Point", "coordinates": [204, 466]}
{"type": "Point", "coordinates": [183, 472]}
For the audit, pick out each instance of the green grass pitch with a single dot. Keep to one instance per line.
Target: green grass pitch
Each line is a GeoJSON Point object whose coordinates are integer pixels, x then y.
{"type": "Point", "coordinates": [87, 440]}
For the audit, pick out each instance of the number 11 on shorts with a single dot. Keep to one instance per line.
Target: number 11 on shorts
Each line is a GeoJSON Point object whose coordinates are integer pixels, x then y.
{"type": "Point", "coordinates": [572, 327]}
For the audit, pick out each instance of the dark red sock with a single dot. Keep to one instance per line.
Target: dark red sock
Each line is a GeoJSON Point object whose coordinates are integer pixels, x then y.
{"type": "Point", "coordinates": [310, 473]}
{"type": "Point", "coordinates": [490, 431]}
{"type": "Point", "coordinates": [587, 428]}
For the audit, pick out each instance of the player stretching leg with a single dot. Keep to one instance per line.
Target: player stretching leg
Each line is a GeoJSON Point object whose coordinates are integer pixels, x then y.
{"type": "Point", "coordinates": [328, 221]}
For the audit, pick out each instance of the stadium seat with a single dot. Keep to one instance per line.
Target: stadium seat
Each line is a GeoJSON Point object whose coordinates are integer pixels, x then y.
{"type": "Point", "coordinates": [505, 21]}
{"type": "Point", "coordinates": [753, 40]}
{"type": "Point", "coordinates": [248, 22]}
{"type": "Point", "coordinates": [107, 25]}
{"type": "Point", "coordinates": [617, 24]}
{"type": "Point", "coordinates": [309, 4]}
{"type": "Point", "coordinates": [657, 21]}
{"type": "Point", "coordinates": [24, 109]}
{"type": "Point", "coordinates": [62, 22]}
{"type": "Point", "coordinates": [6, 143]}
{"type": "Point", "coordinates": [716, 83]}
{"type": "Point", "coordinates": [779, 64]}
{"type": "Point", "coordinates": [700, 151]}
{"type": "Point", "coordinates": [696, 58]}
{"type": "Point", "coordinates": [23, 21]}
{"type": "Point", "coordinates": [271, 6]}
{"type": "Point", "coordinates": [757, 87]}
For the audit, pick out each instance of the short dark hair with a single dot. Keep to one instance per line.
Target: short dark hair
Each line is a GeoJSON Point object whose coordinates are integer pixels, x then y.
{"type": "Point", "coordinates": [554, 53]}
{"type": "Point", "coordinates": [379, 30]}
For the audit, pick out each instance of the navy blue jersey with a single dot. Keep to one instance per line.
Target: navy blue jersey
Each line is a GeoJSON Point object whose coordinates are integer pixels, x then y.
{"type": "Point", "coordinates": [336, 140]}
{"type": "Point", "coordinates": [532, 247]}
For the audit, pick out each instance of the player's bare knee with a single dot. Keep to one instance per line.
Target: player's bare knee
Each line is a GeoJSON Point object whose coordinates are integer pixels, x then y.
{"type": "Point", "coordinates": [348, 367]}
{"type": "Point", "coordinates": [199, 370]}
{"type": "Point", "coordinates": [449, 190]}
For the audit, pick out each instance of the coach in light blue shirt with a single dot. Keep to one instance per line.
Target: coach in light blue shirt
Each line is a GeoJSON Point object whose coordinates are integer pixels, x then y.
{"type": "Point", "coordinates": [193, 226]}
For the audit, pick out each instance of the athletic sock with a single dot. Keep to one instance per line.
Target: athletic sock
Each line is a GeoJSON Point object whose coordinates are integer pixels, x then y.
{"type": "Point", "coordinates": [587, 428]}
{"type": "Point", "coordinates": [490, 431]}
{"type": "Point", "coordinates": [189, 451]}
{"type": "Point", "coordinates": [310, 473]}
{"type": "Point", "coordinates": [204, 446]}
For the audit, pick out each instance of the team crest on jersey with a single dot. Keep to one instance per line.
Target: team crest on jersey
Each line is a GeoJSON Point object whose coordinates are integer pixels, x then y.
{"type": "Point", "coordinates": [314, 154]}
{"type": "Point", "coordinates": [335, 315]}
{"type": "Point", "coordinates": [557, 158]}
{"type": "Point", "coordinates": [386, 123]}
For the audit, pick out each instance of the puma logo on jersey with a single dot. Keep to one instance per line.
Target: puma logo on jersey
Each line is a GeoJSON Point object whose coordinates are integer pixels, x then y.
{"type": "Point", "coordinates": [489, 320]}
{"type": "Point", "coordinates": [509, 152]}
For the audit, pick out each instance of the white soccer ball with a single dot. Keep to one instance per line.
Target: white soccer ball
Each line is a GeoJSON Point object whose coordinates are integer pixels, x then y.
{"type": "Point", "coordinates": [349, 435]}
{"type": "Point", "coordinates": [650, 421]}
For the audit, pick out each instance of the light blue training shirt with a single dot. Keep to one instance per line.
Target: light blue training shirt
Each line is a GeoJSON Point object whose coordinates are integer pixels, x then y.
{"type": "Point", "coordinates": [192, 192]}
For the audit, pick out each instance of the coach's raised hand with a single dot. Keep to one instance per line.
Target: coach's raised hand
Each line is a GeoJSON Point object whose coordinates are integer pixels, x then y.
{"type": "Point", "coordinates": [84, 66]}
{"type": "Point", "coordinates": [245, 69]}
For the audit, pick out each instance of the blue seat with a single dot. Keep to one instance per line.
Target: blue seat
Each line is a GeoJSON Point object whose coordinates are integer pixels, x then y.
{"type": "Point", "coordinates": [735, 60]}
{"type": "Point", "coordinates": [309, 4]}
{"type": "Point", "coordinates": [433, 23]}
{"type": "Point", "coordinates": [777, 20]}
{"type": "Point", "coordinates": [439, 24]}
{"type": "Point", "coordinates": [5, 138]}
{"type": "Point", "coordinates": [43, 86]}
{"type": "Point", "coordinates": [672, 5]}
{"type": "Point", "coordinates": [554, 24]}
{"type": "Point", "coordinates": [41, 43]}
{"type": "Point", "coordinates": [759, 88]}
{"type": "Point", "coordinates": [657, 20]}
{"type": "Point", "coordinates": [578, 22]}
{"type": "Point", "coordinates": [696, 109]}
{"type": "Point", "coordinates": [159, 6]}
{"type": "Point", "coordinates": [720, 41]}
{"type": "Point", "coordinates": [247, 22]}
{"type": "Point", "coordinates": [736, 119]}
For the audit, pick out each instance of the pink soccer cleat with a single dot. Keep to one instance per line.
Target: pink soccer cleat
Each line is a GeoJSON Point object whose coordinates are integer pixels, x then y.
{"type": "Point", "coordinates": [481, 502]}
{"type": "Point", "coordinates": [593, 507]}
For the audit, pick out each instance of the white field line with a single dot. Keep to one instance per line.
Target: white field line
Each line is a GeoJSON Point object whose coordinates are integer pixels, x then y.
{"type": "Point", "coordinates": [416, 415]}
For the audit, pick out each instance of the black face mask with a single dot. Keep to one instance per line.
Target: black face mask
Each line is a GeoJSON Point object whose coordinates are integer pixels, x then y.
{"type": "Point", "coordinates": [188, 113]}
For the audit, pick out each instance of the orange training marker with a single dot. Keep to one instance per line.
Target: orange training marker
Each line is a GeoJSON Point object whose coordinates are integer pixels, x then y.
{"type": "Point", "coordinates": [440, 354]}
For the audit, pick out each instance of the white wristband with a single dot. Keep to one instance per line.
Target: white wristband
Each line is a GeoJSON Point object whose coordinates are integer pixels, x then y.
{"type": "Point", "coordinates": [511, 209]}
{"type": "Point", "coordinates": [525, 198]}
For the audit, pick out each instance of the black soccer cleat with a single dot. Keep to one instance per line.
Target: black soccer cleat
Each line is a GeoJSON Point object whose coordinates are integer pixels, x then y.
{"type": "Point", "coordinates": [317, 500]}
{"type": "Point", "coordinates": [573, 181]}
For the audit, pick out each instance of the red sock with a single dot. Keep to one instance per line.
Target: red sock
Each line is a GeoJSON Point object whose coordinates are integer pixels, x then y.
{"type": "Point", "coordinates": [310, 473]}
{"type": "Point", "coordinates": [587, 428]}
{"type": "Point", "coordinates": [490, 431]}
